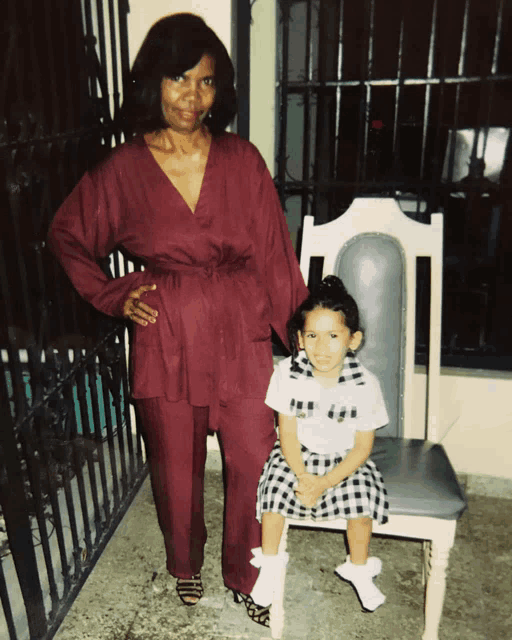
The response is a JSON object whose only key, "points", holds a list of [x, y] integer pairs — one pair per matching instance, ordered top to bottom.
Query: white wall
{"points": [[144, 13], [263, 79], [476, 419]]}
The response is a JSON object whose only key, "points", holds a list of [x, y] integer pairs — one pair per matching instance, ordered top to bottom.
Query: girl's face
{"points": [[187, 99], [326, 340]]}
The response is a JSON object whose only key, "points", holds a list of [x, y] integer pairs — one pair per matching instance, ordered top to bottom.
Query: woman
{"points": [[199, 207]]}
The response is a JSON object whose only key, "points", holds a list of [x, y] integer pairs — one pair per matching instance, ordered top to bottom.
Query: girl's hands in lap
{"points": [[138, 311], [310, 488]]}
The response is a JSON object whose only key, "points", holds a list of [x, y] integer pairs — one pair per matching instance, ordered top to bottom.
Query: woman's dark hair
{"points": [[172, 46], [329, 294]]}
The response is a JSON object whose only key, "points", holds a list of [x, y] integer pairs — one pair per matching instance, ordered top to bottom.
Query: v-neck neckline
{"points": [[171, 183]]}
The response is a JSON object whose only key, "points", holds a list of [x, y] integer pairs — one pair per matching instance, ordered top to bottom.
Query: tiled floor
{"points": [[129, 595]]}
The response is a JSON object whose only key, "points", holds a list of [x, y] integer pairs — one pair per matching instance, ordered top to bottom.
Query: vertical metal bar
{"points": [[124, 9], [497, 38], [242, 40], [102, 45], [90, 48], [114, 63], [99, 66], [494, 67], [460, 73], [339, 77], [428, 87], [398, 89], [54, 90], [283, 94], [367, 95], [69, 115], [306, 136], [325, 170], [21, 269], [13, 366], [91, 373], [123, 377], [109, 386], [82, 400], [90, 402], [119, 402], [110, 440], [74, 441], [39, 466], [70, 505], [17, 522], [6, 605]]}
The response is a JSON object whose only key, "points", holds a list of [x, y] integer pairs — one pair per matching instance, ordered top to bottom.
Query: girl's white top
{"points": [[327, 419]]}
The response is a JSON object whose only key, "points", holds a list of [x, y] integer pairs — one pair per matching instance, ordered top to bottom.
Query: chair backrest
{"points": [[373, 247]]}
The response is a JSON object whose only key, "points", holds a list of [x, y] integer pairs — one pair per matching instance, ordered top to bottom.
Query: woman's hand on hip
{"points": [[138, 311]]}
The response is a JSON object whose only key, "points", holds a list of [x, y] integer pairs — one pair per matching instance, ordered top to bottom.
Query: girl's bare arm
{"points": [[290, 445], [353, 460]]}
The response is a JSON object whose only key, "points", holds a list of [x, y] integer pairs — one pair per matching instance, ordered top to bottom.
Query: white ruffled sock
{"points": [[270, 570], [361, 577]]}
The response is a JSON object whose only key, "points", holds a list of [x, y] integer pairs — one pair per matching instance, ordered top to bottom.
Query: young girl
{"points": [[329, 406]]}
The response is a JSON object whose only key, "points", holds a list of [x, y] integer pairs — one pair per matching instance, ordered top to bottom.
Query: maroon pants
{"points": [[176, 437]]}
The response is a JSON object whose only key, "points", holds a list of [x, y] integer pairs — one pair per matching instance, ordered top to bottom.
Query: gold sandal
{"points": [[190, 588]]}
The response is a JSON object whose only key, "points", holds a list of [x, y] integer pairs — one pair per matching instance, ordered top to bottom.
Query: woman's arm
{"points": [[84, 231], [277, 259]]}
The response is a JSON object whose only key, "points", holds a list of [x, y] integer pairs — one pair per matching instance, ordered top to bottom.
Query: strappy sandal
{"points": [[190, 588], [256, 612]]}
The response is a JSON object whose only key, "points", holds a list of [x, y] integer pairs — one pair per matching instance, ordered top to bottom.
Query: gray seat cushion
{"points": [[419, 478]]}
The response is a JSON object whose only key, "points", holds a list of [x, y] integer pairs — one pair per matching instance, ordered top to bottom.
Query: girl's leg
{"points": [[247, 435], [176, 438], [271, 531], [359, 534], [270, 563], [359, 569]]}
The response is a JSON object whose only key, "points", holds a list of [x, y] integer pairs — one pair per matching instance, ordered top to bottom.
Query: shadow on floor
{"points": [[129, 595]]}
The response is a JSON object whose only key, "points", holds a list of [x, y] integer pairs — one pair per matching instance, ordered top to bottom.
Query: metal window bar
{"points": [[406, 88], [70, 454]]}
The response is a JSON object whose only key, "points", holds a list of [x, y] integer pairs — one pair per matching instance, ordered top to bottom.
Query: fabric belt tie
{"points": [[225, 319]]}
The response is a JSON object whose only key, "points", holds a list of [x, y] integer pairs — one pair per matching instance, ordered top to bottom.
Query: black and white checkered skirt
{"points": [[361, 494]]}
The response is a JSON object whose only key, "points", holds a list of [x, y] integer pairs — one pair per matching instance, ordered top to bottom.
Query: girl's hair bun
{"points": [[332, 286]]}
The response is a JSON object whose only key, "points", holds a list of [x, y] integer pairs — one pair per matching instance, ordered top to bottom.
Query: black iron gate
{"points": [[409, 100], [71, 458]]}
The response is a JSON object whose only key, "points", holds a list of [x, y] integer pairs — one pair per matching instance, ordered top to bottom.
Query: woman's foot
{"points": [[361, 577], [190, 590], [256, 612]]}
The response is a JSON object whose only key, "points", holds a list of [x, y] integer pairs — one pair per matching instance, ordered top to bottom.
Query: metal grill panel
{"points": [[391, 98], [71, 457]]}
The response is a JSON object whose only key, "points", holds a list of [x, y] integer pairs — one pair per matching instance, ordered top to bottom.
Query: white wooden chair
{"points": [[373, 247]]}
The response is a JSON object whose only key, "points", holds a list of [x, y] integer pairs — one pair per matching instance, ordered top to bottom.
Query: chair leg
{"points": [[425, 569], [436, 585], [277, 610]]}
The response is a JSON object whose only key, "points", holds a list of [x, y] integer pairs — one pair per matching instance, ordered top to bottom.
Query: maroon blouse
{"points": [[224, 274]]}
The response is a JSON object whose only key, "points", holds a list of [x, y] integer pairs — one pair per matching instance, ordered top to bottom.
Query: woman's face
{"points": [[186, 99]]}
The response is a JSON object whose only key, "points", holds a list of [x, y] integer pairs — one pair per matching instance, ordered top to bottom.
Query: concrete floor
{"points": [[130, 596]]}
